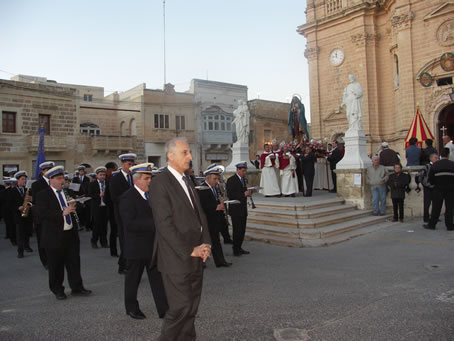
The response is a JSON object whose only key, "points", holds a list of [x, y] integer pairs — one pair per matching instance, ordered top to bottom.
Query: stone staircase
{"points": [[309, 223]]}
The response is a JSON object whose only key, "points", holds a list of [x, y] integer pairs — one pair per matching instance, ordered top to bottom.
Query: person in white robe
{"points": [[289, 180], [269, 184]]}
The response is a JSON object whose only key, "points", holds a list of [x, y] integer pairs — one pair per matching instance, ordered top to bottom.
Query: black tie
{"points": [[130, 180], [21, 192], [191, 194]]}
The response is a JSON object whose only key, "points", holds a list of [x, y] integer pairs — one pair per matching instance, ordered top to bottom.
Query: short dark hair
{"points": [[413, 141], [429, 142], [444, 152], [398, 164], [111, 165]]}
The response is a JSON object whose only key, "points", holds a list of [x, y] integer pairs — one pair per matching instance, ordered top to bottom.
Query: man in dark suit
{"points": [[334, 157], [308, 166], [111, 167], [120, 183], [38, 186], [97, 190], [237, 190], [213, 206], [83, 211], [8, 215], [24, 224], [139, 234], [59, 236], [182, 243]]}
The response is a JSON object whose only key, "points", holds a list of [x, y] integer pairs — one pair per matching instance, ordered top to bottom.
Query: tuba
{"points": [[27, 204]]}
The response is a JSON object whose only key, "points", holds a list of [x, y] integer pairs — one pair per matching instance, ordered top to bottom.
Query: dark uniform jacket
{"points": [[425, 153], [334, 158], [308, 164], [441, 174], [83, 185], [118, 185], [398, 185], [37, 187], [235, 191], [94, 194], [16, 201], [209, 204], [52, 220], [138, 225], [177, 226]]}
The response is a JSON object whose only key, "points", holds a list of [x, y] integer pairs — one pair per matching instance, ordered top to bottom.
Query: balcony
{"points": [[52, 143], [117, 144]]}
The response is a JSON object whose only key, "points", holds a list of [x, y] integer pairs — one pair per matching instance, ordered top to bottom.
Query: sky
{"points": [[119, 44]]}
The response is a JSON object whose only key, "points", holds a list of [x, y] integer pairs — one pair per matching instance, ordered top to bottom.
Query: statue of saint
{"points": [[352, 100], [241, 120], [297, 124]]}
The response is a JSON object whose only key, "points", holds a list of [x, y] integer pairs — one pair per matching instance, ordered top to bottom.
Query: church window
{"points": [[396, 70], [444, 81], [8, 122]]}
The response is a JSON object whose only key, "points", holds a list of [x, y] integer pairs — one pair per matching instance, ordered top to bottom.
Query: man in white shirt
{"points": [[448, 144], [59, 236]]}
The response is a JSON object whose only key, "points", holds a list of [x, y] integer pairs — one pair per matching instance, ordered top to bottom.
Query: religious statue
{"points": [[352, 100], [241, 121], [297, 123]]}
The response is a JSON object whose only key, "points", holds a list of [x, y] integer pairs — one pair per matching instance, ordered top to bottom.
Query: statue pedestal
{"points": [[240, 152], [355, 156], [352, 187]]}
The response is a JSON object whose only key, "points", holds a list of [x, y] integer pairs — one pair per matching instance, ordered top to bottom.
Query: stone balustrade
{"points": [[52, 143], [117, 144]]}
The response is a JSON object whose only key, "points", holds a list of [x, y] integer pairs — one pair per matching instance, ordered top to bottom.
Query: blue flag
{"points": [[40, 158]]}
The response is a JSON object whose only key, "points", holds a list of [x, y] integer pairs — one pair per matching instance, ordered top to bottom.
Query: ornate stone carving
{"points": [[403, 20], [445, 33], [365, 38], [311, 52]]}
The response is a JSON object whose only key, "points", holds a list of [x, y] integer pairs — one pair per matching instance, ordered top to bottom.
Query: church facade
{"points": [[401, 52]]}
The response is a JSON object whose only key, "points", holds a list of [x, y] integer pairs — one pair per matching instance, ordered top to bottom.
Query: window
{"points": [[88, 98], [8, 121], [44, 121], [161, 121], [179, 123], [217, 123], [89, 129]]}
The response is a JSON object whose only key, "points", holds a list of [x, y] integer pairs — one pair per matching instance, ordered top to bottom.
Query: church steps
{"points": [[287, 206], [301, 214]]}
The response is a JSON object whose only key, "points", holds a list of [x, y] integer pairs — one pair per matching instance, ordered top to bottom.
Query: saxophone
{"points": [[27, 204]]}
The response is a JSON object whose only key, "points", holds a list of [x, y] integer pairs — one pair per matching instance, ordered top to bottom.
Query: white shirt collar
{"points": [[142, 193]]}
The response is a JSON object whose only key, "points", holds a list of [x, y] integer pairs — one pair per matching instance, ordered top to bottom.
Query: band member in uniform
{"points": [[111, 168], [441, 175], [120, 183], [37, 186], [97, 190], [237, 190], [20, 199], [213, 207], [83, 211], [8, 215], [139, 234], [59, 236], [182, 243]]}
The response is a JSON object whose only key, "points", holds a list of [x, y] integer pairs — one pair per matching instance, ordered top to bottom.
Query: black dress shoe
{"points": [[427, 227], [228, 241], [94, 245], [28, 249], [244, 252], [114, 254], [20, 255], [224, 264], [122, 271], [81, 292], [61, 296], [138, 315], [161, 315]]}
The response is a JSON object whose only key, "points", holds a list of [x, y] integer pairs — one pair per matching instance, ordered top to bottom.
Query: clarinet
{"points": [[252, 200], [76, 217]]}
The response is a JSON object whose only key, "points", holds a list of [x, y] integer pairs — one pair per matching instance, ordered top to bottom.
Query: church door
{"points": [[445, 124]]}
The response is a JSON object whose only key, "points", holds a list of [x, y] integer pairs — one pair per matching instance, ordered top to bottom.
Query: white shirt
{"points": [[450, 146], [47, 180], [180, 180], [102, 190], [142, 193], [66, 226]]}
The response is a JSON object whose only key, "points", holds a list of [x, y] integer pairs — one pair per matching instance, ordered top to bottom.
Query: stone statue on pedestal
{"points": [[353, 101], [241, 120]]}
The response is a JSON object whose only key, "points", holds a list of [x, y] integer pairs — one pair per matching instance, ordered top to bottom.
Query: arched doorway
{"points": [[445, 124]]}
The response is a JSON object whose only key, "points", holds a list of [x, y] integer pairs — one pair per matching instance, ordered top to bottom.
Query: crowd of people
{"points": [[288, 169], [436, 178], [167, 223]]}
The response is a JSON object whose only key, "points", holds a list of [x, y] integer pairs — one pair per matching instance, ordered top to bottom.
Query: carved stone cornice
{"points": [[402, 21], [365, 38], [311, 52]]}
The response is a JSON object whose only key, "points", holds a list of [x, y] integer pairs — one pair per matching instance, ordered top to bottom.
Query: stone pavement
{"points": [[392, 284]]}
